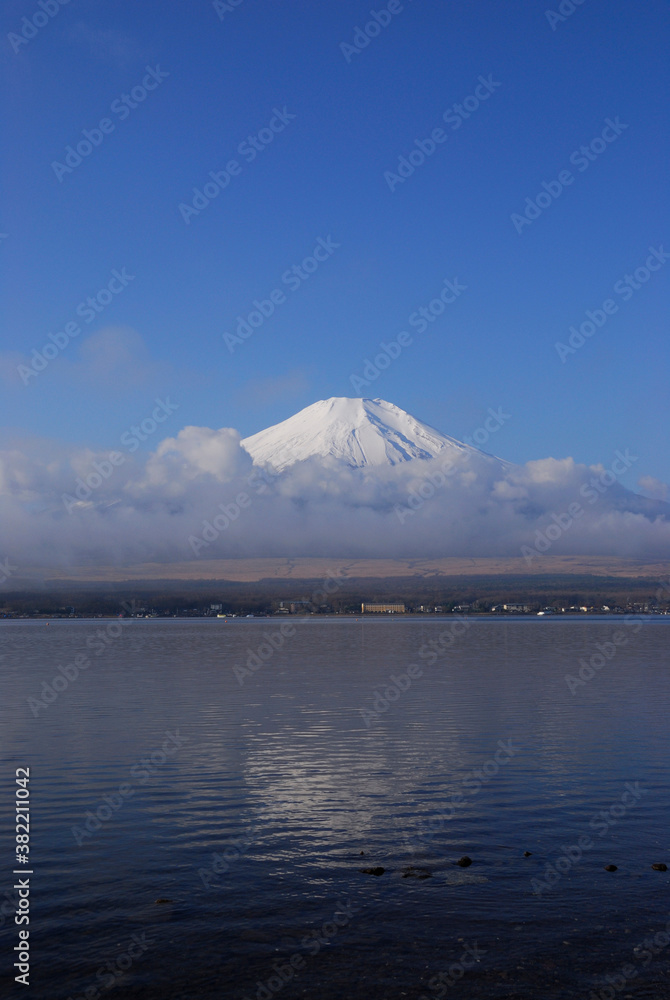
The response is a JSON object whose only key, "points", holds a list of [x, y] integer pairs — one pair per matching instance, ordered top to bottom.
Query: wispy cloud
{"points": [[109, 45], [115, 358], [259, 392], [654, 488]]}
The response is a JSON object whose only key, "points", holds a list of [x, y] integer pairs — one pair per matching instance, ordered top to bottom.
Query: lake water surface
{"points": [[248, 797]]}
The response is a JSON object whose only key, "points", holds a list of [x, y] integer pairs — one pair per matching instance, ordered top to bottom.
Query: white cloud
{"points": [[196, 452], [146, 508]]}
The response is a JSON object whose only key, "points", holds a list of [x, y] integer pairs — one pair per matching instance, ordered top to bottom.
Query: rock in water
{"points": [[464, 862], [660, 867], [610, 868], [372, 871], [413, 872]]}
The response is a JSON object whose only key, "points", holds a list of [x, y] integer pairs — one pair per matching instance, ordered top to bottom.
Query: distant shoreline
{"points": [[561, 586], [353, 617]]}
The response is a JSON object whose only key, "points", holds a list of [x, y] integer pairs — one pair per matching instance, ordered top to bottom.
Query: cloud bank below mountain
{"points": [[199, 495]]}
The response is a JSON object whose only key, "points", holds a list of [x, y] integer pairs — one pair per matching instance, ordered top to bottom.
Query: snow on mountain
{"points": [[357, 432]]}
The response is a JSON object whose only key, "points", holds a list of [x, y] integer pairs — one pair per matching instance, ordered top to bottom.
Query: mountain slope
{"points": [[357, 432]]}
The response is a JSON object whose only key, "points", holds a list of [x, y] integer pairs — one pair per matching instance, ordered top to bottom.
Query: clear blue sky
{"points": [[355, 114]]}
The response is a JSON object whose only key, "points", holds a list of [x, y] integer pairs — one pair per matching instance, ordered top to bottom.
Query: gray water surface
{"points": [[245, 776]]}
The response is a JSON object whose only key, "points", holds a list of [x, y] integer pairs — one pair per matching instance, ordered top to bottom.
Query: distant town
{"points": [[145, 609]]}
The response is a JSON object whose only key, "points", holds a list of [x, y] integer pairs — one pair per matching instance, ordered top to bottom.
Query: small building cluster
{"points": [[388, 609]]}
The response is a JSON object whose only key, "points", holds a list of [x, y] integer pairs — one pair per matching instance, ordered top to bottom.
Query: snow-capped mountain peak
{"points": [[357, 432]]}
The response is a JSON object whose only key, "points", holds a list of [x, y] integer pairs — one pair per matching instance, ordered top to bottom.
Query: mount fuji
{"points": [[358, 433]]}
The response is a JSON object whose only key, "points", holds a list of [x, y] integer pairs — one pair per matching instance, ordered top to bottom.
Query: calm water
{"points": [[246, 802]]}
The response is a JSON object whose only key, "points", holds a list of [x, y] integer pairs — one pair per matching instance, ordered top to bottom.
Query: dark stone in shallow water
{"points": [[527, 854], [464, 862], [660, 867], [610, 868], [372, 871], [413, 872], [161, 901]]}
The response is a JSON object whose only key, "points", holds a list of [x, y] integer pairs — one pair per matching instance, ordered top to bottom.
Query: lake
{"points": [[242, 772]]}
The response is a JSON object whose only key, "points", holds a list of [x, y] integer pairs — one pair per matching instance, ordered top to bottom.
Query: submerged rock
{"points": [[527, 854], [464, 862], [660, 867], [610, 868], [373, 871], [414, 872], [162, 902]]}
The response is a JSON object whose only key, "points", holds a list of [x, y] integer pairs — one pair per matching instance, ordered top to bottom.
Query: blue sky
{"points": [[223, 76]]}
